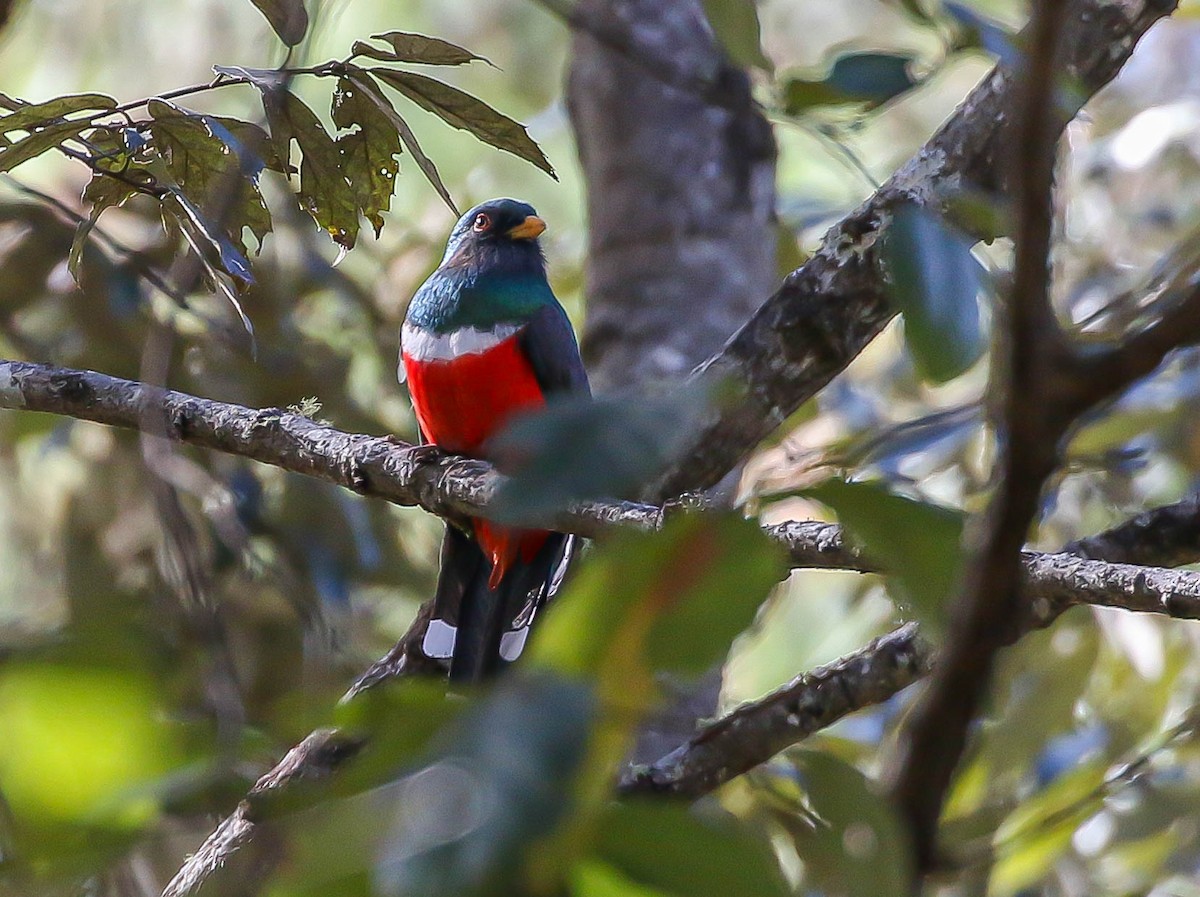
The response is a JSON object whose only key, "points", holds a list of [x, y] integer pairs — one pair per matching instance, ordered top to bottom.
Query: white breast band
{"points": [[426, 345]]}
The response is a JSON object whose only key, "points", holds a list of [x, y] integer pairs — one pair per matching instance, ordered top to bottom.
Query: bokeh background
{"points": [[118, 689]]}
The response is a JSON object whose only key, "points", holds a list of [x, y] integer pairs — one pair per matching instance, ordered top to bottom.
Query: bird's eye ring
{"points": [[482, 222]]}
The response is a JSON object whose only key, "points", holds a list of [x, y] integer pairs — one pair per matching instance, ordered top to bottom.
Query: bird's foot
{"points": [[425, 454]]}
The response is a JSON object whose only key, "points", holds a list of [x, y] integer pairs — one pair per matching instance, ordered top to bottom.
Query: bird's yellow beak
{"points": [[528, 229]]}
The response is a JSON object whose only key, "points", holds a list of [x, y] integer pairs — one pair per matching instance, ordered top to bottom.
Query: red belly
{"points": [[460, 404]]}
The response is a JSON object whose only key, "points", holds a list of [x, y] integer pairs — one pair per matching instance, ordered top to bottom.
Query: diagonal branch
{"points": [[828, 310], [1168, 536], [755, 732]]}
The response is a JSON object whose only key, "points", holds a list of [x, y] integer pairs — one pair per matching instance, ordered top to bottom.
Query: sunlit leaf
{"points": [[289, 18], [735, 23], [408, 47], [869, 79], [377, 96], [463, 111], [27, 116], [39, 142], [369, 153], [324, 191], [935, 281], [916, 543], [698, 583], [81, 744], [1039, 831], [856, 845], [596, 878]]}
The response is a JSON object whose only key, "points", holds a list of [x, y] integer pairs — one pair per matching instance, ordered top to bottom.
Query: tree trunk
{"points": [[680, 192], [681, 218]]}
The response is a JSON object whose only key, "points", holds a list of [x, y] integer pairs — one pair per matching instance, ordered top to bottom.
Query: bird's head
{"points": [[497, 233]]}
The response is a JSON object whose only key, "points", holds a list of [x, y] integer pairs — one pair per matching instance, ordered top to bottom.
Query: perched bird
{"points": [[484, 339]]}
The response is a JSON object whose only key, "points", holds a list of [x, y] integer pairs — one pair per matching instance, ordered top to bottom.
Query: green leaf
{"points": [[289, 18], [735, 22], [408, 47], [867, 79], [376, 96], [463, 111], [28, 116], [39, 142], [369, 153], [210, 173], [324, 191], [103, 192], [935, 281], [577, 449], [917, 544], [695, 585], [82, 743], [520, 749], [1039, 830], [856, 846], [666, 849], [595, 878]]}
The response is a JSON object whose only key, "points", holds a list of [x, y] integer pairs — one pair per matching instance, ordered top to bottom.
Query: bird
{"points": [[484, 340]]}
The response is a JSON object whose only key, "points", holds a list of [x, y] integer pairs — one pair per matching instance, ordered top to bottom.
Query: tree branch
{"points": [[828, 310], [1026, 391], [413, 475], [448, 486], [1168, 536], [755, 732]]}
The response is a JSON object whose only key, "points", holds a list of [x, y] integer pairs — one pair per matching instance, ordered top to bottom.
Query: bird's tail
{"points": [[479, 629]]}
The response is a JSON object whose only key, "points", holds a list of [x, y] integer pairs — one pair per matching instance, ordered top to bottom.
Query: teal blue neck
{"points": [[457, 297]]}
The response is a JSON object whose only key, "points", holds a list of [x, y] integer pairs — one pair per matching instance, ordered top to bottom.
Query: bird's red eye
{"points": [[482, 222]]}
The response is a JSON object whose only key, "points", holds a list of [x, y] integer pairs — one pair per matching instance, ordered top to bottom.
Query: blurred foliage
{"points": [[168, 627]]}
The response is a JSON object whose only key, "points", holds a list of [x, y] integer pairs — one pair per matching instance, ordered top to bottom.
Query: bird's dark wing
{"points": [[549, 343]]}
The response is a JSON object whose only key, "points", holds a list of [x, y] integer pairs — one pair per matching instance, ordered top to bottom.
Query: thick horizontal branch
{"points": [[829, 309], [449, 486], [454, 487]]}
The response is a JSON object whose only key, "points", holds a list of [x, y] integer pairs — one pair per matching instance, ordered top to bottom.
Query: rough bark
{"points": [[680, 193], [681, 213], [825, 312], [407, 475], [754, 732]]}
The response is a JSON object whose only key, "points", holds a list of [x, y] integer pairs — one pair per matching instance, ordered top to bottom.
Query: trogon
{"points": [[485, 340]]}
